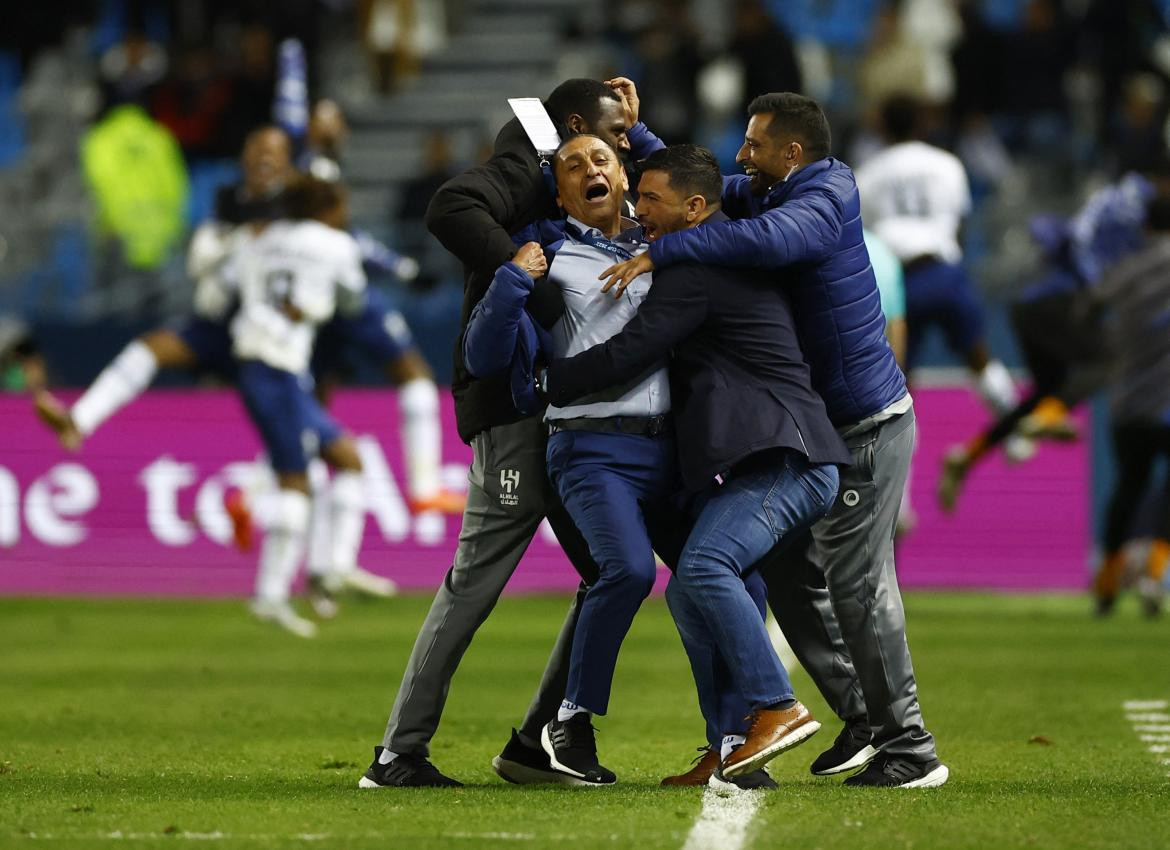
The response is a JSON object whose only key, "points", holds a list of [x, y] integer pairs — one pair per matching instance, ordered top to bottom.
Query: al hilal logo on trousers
{"points": [[509, 484]]}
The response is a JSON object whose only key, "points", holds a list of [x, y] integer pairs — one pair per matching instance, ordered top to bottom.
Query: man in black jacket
{"points": [[473, 215], [754, 442]]}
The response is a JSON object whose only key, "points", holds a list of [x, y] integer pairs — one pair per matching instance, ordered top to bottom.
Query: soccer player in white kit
{"points": [[914, 196], [291, 276]]}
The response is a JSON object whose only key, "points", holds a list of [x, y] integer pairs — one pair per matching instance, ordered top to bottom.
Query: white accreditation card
{"points": [[536, 123]]}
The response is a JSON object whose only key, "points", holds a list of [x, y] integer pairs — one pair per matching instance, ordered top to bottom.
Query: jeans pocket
{"points": [[818, 481]]}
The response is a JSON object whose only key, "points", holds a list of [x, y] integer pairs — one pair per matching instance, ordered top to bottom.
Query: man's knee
{"points": [[699, 565], [634, 576]]}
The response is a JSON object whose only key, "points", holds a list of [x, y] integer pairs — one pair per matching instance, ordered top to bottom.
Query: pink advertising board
{"points": [[139, 511]]}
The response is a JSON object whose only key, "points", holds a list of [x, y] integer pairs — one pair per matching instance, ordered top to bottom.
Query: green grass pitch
{"points": [[168, 723]]}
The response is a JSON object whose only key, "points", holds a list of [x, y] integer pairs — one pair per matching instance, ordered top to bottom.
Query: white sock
{"points": [[118, 384], [996, 387], [422, 436], [347, 502], [284, 543], [320, 547], [569, 710], [730, 742], [385, 757]]}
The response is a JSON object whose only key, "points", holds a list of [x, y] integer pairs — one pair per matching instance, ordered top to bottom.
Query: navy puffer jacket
{"points": [[808, 229]]}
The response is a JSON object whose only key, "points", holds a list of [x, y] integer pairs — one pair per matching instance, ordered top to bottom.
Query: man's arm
{"points": [[642, 141], [737, 200], [472, 213], [804, 229], [676, 306], [489, 342]]}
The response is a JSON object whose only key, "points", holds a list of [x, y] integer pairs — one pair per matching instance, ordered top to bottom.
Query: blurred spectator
{"points": [[397, 34], [1119, 38], [766, 51], [668, 52], [976, 59], [1035, 60], [893, 64], [131, 68], [253, 86], [193, 102], [1139, 131], [438, 168], [136, 174], [413, 239]]}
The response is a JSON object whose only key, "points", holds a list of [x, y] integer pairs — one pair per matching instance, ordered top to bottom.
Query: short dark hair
{"points": [[578, 97], [799, 115], [901, 117], [691, 169], [310, 197]]}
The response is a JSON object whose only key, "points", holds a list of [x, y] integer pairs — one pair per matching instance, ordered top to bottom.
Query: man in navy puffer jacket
{"points": [[797, 210]]}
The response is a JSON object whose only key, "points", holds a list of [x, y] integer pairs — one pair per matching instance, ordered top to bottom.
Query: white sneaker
{"points": [[366, 582], [1152, 592], [321, 598], [281, 613]]}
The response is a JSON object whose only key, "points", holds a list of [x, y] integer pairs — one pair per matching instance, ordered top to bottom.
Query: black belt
{"points": [[648, 426]]}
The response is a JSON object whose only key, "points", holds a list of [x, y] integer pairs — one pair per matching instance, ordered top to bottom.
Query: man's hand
{"points": [[628, 92], [530, 258], [623, 274]]}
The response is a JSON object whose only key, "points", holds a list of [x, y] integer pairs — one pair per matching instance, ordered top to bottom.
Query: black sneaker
{"points": [[572, 750], [850, 751], [521, 764], [405, 771], [889, 771], [756, 780]]}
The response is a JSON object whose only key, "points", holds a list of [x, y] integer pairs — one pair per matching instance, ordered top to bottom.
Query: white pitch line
{"points": [[1145, 705], [1146, 717], [724, 820]]}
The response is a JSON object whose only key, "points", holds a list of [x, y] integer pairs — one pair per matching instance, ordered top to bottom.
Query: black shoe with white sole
{"points": [[572, 750], [851, 751], [521, 764], [405, 771], [890, 771], [756, 780]]}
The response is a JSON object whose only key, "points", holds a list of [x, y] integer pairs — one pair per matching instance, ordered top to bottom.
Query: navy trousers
{"points": [[618, 488]]}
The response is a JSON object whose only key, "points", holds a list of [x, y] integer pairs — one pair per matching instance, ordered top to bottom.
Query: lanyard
{"points": [[598, 242]]}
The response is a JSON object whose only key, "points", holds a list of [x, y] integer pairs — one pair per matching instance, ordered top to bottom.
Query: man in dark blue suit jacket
{"points": [[797, 212]]}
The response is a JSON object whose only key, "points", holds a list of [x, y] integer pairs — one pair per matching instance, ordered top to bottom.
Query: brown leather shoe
{"points": [[770, 732], [700, 772]]}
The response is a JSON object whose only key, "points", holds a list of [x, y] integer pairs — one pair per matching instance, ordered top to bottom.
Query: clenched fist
{"points": [[530, 258]]}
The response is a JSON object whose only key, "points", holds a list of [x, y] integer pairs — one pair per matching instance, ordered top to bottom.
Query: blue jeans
{"points": [[612, 485], [739, 523], [724, 710]]}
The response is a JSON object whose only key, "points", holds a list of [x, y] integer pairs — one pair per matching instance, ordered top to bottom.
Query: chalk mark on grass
{"points": [[1151, 723], [724, 820]]}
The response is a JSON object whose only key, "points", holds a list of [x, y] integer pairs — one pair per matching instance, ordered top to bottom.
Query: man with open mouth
{"points": [[611, 457]]}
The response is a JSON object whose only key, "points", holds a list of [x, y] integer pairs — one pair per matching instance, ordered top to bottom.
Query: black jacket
{"points": [[473, 215], [738, 381]]}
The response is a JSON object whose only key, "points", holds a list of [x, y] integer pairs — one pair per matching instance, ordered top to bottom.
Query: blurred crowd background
{"points": [[119, 118]]}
